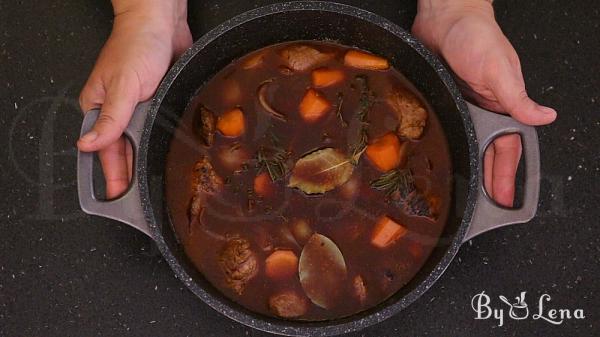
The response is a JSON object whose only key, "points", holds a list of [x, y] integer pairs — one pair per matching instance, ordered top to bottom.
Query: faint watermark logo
{"points": [[39, 152], [519, 310]]}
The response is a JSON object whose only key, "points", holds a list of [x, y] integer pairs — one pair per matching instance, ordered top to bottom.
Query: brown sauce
{"points": [[347, 214]]}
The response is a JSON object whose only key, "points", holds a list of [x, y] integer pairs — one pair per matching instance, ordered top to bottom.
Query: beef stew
{"points": [[308, 180]]}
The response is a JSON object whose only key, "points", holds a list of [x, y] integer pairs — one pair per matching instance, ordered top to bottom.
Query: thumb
{"points": [[509, 89], [121, 97]]}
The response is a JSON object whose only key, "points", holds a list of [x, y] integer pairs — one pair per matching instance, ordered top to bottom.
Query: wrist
{"points": [[426, 6], [163, 16], [435, 18]]}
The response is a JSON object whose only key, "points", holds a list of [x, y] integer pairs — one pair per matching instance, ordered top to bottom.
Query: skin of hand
{"points": [[465, 34], [147, 36]]}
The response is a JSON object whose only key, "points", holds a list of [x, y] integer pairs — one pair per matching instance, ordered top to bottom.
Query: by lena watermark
{"points": [[519, 310]]}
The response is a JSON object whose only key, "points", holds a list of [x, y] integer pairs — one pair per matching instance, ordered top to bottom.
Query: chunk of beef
{"points": [[301, 57], [411, 112], [204, 125], [204, 178], [204, 181], [406, 196], [419, 205], [239, 264], [360, 290], [288, 304]]}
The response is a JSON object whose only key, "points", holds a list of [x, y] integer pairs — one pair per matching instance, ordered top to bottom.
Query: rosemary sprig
{"points": [[367, 98], [338, 111], [359, 147], [272, 158], [399, 180], [399, 186]]}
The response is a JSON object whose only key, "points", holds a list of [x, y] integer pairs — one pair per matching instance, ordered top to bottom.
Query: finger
{"points": [[183, 40], [509, 88], [92, 95], [122, 95], [481, 101], [507, 151], [129, 157], [114, 166], [488, 169]]}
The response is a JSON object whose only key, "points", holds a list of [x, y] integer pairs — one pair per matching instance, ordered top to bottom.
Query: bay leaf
{"points": [[321, 171], [322, 271]]}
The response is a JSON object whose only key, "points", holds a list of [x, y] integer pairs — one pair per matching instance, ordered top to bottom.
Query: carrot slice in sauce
{"points": [[362, 60], [324, 77], [313, 106], [232, 123], [385, 152], [262, 185], [386, 232], [281, 264]]}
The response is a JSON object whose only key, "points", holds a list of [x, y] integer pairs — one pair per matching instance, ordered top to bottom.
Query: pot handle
{"points": [[127, 208], [488, 214]]}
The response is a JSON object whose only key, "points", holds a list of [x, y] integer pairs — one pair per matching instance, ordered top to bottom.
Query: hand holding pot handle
{"points": [[146, 37], [488, 70], [128, 207], [488, 214]]}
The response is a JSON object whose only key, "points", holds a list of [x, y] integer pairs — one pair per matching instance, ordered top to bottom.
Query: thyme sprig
{"points": [[367, 99], [338, 111], [272, 158], [399, 180]]}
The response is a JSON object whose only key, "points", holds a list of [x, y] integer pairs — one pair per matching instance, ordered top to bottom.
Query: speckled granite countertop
{"points": [[63, 273]]}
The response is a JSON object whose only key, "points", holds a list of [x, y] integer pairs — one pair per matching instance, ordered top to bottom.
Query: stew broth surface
{"points": [[347, 215]]}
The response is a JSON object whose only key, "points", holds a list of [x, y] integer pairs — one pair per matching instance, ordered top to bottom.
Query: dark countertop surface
{"points": [[64, 273]]}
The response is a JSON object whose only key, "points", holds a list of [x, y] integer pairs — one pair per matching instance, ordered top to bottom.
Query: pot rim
{"points": [[297, 328]]}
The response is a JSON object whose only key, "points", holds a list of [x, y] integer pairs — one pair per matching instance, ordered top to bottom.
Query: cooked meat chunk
{"points": [[301, 57], [411, 112], [204, 125], [204, 178], [204, 181], [416, 204], [196, 207], [239, 264], [360, 291], [288, 304]]}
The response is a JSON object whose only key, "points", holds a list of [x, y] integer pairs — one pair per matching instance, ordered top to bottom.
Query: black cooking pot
{"points": [[468, 129]]}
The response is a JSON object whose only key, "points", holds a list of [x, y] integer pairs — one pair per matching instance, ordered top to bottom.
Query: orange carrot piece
{"points": [[362, 60], [324, 77], [313, 106], [232, 123], [384, 152], [262, 185], [386, 232], [281, 264]]}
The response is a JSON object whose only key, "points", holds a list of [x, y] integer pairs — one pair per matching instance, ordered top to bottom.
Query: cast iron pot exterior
{"points": [[154, 123]]}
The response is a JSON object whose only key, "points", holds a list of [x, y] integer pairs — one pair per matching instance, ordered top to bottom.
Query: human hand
{"points": [[466, 35], [145, 38]]}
